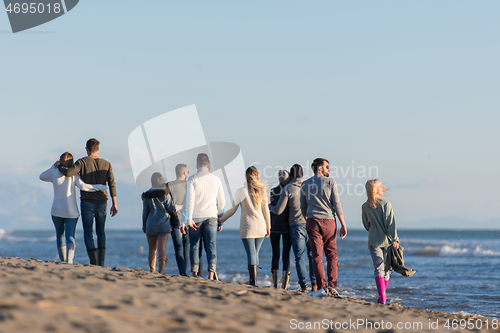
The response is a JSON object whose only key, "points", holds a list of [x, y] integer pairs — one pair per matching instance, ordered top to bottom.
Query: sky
{"points": [[408, 90]]}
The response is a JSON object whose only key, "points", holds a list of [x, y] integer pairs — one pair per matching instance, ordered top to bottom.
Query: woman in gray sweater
{"points": [[378, 219]]}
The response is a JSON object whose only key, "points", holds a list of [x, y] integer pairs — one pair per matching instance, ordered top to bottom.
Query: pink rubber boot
{"points": [[381, 289]]}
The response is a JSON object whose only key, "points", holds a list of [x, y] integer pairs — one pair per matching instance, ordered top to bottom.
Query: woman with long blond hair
{"points": [[378, 219], [255, 222]]}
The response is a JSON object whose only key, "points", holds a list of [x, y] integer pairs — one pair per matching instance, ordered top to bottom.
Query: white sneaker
{"points": [[317, 293]]}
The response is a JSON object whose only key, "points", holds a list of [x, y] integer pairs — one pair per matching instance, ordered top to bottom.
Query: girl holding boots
{"points": [[378, 219], [255, 222]]}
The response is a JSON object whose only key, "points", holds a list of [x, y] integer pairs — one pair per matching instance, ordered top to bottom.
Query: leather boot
{"points": [[62, 253], [71, 253], [92, 256], [100, 256], [152, 262], [162, 262], [252, 271], [276, 277], [285, 279], [379, 280]]}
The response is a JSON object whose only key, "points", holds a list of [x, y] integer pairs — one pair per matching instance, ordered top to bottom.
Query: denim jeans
{"points": [[91, 211], [207, 228], [65, 231], [275, 244], [181, 247], [252, 247], [302, 250]]}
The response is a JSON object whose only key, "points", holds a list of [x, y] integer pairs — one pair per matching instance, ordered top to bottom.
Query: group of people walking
{"points": [[301, 214]]}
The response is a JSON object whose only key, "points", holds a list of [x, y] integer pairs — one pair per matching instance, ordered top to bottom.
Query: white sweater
{"points": [[204, 196], [64, 204], [253, 223]]}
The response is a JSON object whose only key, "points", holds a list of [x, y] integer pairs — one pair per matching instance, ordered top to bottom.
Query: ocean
{"points": [[457, 271]]}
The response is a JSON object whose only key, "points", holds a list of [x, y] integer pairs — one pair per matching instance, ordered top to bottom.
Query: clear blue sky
{"points": [[408, 87]]}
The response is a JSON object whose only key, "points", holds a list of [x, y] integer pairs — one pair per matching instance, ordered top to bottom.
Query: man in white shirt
{"points": [[204, 203]]}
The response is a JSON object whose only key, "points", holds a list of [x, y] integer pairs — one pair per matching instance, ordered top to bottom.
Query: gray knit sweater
{"points": [[378, 222]]}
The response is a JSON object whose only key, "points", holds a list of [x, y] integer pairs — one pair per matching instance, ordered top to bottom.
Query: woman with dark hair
{"points": [[64, 209], [156, 216], [378, 219], [255, 222]]}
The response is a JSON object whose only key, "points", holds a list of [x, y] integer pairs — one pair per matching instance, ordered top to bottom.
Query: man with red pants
{"points": [[319, 203]]}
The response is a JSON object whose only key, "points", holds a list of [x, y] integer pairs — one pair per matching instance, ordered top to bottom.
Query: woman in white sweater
{"points": [[64, 209], [255, 222]]}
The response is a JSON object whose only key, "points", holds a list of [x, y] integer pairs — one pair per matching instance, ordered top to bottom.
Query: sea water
{"points": [[457, 271]]}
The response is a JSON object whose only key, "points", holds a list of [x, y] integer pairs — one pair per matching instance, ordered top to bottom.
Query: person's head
{"points": [[92, 146], [66, 159], [202, 160], [320, 166], [181, 171], [296, 171], [284, 177], [157, 180], [255, 187], [374, 189]]}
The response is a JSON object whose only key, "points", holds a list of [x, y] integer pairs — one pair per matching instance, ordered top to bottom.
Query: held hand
{"points": [[56, 164], [142, 196], [178, 207], [114, 210], [192, 225], [220, 227], [143, 230], [183, 230], [343, 232], [268, 233], [396, 245]]}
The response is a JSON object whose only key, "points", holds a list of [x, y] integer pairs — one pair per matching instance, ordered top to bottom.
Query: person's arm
{"points": [[73, 170], [46, 176], [88, 187], [112, 191], [156, 193], [221, 200], [335, 200], [303, 201], [189, 202], [281, 205], [170, 206], [233, 209], [145, 213], [267, 217], [364, 218], [390, 221], [343, 227]]}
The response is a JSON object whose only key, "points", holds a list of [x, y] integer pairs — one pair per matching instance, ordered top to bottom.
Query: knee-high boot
{"points": [[101, 252], [62, 253], [92, 256], [152, 262], [162, 262], [252, 271], [276, 277], [285, 279], [379, 280]]}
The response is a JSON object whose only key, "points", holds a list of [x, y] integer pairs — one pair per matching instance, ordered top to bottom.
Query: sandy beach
{"points": [[45, 296]]}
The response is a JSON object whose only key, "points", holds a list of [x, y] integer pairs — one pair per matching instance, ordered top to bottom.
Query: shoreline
{"points": [[48, 296]]}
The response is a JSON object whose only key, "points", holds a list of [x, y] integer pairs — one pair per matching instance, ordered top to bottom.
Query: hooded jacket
{"points": [[290, 199]]}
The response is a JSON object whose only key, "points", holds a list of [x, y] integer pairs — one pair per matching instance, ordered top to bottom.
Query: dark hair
{"points": [[92, 145], [66, 159], [202, 160], [317, 163], [179, 168], [296, 171], [157, 180]]}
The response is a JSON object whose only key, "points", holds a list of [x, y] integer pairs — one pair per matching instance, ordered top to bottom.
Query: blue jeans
{"points": [[91, 211], [65, 227], [207, 228], [275, 244], [252, 246], [181, 247], [302, 250]]}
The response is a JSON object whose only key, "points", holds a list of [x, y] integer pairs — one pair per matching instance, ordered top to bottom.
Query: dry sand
{"points": [[45, 296]]}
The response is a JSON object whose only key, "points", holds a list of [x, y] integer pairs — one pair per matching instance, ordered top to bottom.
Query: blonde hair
{"points": [[255, 187], [371, 187]]}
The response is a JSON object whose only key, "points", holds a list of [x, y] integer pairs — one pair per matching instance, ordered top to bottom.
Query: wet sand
{"points": [[46, 296]]}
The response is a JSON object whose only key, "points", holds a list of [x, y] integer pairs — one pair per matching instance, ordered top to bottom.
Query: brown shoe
{"points": [[314, 287], [303, 288]]}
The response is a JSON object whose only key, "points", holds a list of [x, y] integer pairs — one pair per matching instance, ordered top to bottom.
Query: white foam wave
{"points": [[449, 250], [478, 251]]}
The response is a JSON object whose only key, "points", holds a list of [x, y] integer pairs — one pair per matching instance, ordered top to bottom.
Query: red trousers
{"points": [[323, 237]]}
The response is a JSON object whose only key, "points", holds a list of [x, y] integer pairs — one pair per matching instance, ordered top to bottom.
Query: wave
{"points": [[7, 237], [448, 250]]}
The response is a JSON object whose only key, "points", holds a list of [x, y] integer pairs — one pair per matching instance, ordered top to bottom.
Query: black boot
{"points": [[92, 256], [100, 256], [252, 271]]}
